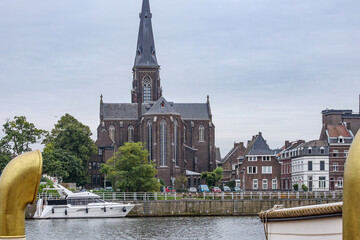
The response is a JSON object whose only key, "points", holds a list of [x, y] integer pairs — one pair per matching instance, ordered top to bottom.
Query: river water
{"points": [[242, 228]]}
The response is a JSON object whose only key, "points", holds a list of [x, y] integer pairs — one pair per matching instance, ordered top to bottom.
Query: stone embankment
{"points": [[196, 207]]}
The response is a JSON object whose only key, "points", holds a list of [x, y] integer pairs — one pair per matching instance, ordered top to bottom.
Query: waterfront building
{"points": [[335, 117], [178, 136], [339, 139], [285, 156], [229, 162], [310, 165], [258, 168]]}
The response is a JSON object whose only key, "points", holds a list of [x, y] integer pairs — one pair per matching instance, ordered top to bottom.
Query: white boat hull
{"points": [[93, 210], [329, 228]]}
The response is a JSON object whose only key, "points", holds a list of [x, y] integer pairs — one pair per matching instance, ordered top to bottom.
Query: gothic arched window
{"points": [[146, 89], [112, 132], [131, 133], [201, 133], [149, 142], [175, 142], [163, 143]]}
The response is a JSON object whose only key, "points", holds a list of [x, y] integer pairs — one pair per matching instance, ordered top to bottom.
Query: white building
{"points": [[310, 166]]}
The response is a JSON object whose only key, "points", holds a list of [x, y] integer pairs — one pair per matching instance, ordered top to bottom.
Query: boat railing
{"points": [[246, 195]]}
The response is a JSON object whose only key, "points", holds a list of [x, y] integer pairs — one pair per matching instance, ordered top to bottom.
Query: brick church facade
{"points": [[178, 136]]}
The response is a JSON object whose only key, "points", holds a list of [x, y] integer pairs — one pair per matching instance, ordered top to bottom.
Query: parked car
{"points": [[109, 188], [204, 188], [169, 189], [226, 189], [237, 189], [192, 190], [216, 190]]}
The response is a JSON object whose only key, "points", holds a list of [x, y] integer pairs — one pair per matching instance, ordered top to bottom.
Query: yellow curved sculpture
{"points": [[19, 185], [351, 198]]}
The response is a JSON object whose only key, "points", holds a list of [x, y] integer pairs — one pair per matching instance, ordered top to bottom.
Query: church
{"points": [[180, 137]]}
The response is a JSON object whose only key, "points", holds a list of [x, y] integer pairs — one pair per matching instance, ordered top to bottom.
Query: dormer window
{"points": [[162, 104], [341, 139], [309, 150], [322, 150]]}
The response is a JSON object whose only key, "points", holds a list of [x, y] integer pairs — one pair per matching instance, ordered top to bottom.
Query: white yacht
{"points": [[79, 205]]}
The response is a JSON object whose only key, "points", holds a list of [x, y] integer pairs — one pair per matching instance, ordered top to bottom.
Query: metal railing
{"points": [[258, 195]]}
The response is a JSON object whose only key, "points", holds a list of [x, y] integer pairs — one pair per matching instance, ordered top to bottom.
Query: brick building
{"points": [[178, 136], [339, 139], [229, 162], [258, 168]]}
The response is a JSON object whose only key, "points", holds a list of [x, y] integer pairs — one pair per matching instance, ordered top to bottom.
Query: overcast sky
{"points": [[268, 66]]}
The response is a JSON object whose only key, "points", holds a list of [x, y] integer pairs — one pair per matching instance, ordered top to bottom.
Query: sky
{"points": [[268, 66]]}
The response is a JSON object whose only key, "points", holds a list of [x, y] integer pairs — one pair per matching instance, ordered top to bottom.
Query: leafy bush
{"points": [[296, 186], [304, 188]]}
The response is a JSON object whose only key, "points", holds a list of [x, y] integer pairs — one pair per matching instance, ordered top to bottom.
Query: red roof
{"points": [[337, 131]]}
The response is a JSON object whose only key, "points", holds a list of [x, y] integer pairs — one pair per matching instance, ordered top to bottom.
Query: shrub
{"points": [[296, 186], [304, 188]]}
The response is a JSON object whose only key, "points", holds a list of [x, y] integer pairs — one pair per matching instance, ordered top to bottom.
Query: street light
{"points": [[243, 171]]}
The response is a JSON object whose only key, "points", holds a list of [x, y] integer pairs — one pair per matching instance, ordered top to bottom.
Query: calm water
{"points": [[246, 228]]}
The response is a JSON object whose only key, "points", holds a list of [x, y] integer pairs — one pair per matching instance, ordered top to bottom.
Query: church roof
{"points": [[145, 51], [161, 106], [120, 111], [192, 111], [258, 146]]}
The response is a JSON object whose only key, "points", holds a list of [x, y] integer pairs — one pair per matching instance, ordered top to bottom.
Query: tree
{"points": [[19, 134], [69, 143], [5, 158], [131, 171], [212, 178], [181, 181]]}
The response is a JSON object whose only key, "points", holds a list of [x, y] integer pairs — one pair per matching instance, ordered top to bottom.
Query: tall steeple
{"points": [[145, 51], [146, 79]]}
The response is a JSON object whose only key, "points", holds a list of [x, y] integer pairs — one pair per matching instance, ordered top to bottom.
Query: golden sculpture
{"points": [[19, 185], [351, 198]]}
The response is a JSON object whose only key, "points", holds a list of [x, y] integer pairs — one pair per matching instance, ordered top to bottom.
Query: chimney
{"points": [[287, 144]]}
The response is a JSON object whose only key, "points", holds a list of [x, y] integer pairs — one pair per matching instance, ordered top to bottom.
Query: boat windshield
{"points": [[83, 201]]}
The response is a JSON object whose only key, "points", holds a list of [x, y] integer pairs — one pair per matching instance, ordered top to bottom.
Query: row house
{"points": [[339, 138], [285, 156], [229, 162], [309, 165], [258, 168]]}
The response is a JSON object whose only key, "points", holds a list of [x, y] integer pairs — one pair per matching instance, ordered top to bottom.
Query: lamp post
{"points": [[243, 171]]}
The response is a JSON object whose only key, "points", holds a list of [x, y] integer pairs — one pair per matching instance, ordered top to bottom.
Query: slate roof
{"points": [[145, 51], [161, 106], [124, 111], [193, 111], [337, 131], [314, 143], [258, 146]]}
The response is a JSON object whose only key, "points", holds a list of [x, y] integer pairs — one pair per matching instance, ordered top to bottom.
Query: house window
{"points": [[146, 89], [149, 126], [112, 132], [131, 133], [201, 133], [184, 134], [341, 139], [163, 143], [176, 143], [309, 150], [322, 150], [100, 151], [346, 152], [335, 153], [266, 158], [252, 159], [322, 165], [310, 166], [335, 167], [266, 169], [252, 170], [322, 182], [340, 182], [255, 184], [264, 184], [274, 184]]}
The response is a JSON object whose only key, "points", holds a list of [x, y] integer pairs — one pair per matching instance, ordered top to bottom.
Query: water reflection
{"points": [[246, 228]]}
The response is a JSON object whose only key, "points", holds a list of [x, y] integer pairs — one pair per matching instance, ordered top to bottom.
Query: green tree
{"points": [[20, 134], [72, 139], [5, 158], [131, 171], [212, 178], [181, 181]]}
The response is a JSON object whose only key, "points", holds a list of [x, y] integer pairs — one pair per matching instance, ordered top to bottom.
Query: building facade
{"points": [[178, 136], [229, 162]]}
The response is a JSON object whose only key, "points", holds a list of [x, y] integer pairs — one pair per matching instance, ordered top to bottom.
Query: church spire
{"points": [[145, 51]]}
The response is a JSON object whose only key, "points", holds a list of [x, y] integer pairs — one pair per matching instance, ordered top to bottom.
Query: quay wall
{"points": [[196, 207]]}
